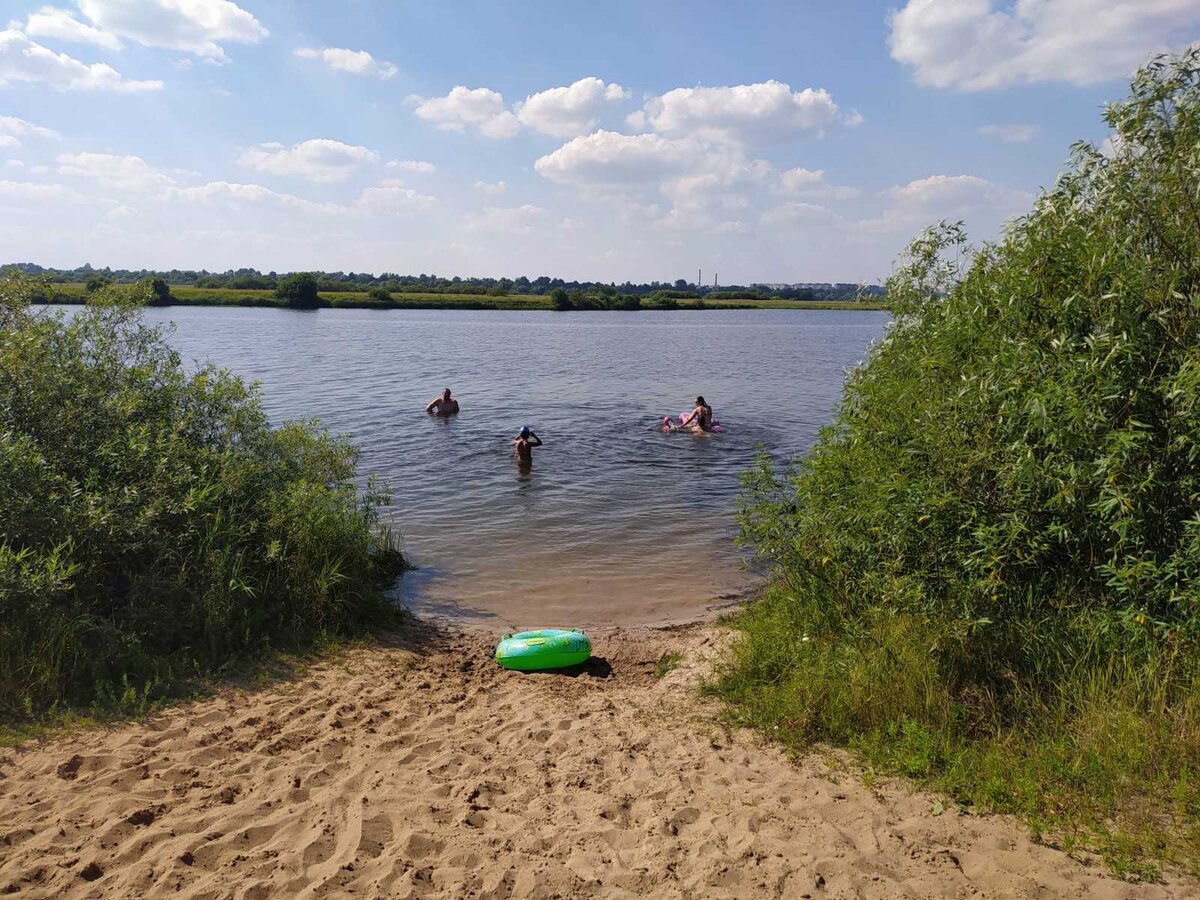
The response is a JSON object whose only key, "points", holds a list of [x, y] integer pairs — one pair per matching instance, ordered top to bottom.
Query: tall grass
{"points": [[152, 523], [986, 570]]}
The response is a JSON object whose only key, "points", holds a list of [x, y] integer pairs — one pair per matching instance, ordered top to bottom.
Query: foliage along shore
{"points": [[184, 295], [155, 528], [987, 571]]}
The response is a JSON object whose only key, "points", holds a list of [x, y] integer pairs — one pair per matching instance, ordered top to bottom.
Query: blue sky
{"points": [[768, 141]]}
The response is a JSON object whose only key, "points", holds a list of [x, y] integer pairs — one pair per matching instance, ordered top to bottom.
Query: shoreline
{"points": [[69, 294], [419, 768]]}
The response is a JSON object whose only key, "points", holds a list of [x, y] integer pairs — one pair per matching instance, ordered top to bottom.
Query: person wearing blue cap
{"points": [[523, 445]]}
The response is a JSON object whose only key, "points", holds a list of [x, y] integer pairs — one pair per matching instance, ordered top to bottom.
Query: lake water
{"points": [[616, 522]]}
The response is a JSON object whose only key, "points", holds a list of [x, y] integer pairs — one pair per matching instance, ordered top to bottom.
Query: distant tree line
{"points": [[581, 294]]}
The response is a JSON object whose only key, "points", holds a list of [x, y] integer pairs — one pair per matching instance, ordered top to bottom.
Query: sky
{"points": [[639, 140]]}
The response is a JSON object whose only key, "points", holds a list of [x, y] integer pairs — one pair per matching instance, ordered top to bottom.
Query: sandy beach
{"points": [[421, 769]]}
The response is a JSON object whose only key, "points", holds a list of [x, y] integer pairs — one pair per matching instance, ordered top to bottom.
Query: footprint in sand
{"points": [[689, 815], [376, 834], [419, 846], [320, 848]]}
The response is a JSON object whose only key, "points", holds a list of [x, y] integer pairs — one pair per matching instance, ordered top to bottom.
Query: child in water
{"points": [[523, 445]]}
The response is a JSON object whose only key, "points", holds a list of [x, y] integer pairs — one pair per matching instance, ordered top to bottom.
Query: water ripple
{"points": [[617, 522]]}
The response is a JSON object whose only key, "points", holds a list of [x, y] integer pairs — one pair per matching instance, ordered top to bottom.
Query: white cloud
{"points": [[61, 24], [189, 26], [975, 45], [24, 60], [356, 62], [463, 106], [571, 110], [743, 113], [500, 127], [19, 128], [1013, 133], [7, 140], [609, 158], [317, 160], [14, 163], [413, 165], [110, 170], [720, 181], [803, 182], [710, 186], [488, 187], [26, 190], [240, 194], [392, 198], [926, 200], [119, 212], [795, 214], [506, 220]]}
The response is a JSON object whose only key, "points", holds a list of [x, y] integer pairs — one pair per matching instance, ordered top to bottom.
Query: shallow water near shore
{"points": [[616, 523]]}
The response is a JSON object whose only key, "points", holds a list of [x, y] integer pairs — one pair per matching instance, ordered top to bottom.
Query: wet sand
{"points": [[421, 769]]}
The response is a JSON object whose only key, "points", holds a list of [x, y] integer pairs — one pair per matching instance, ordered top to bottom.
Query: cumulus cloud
{"points": [[61, 24], [198, 27], [974, 45], [24, 60], [356, 62], [481, 108], [571, 110], [743, 113], [16, 128], [1013, 133], [610, 158], [317, 160], [413, 165], [111, 170], [803, 182], [710, 186], [489, 187], [27, 190], [243, 194], [392, 198], [926, 200], [795, 213], [506, 220]]}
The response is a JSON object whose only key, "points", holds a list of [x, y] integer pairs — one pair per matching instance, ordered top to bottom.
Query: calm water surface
{"points": [[616, 522]]}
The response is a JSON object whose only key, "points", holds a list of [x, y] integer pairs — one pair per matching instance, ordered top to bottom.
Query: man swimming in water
{"points": [[444, 405], [701, 418]]}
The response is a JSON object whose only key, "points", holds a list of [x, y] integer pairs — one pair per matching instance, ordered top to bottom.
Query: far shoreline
{"points": [[69, 294]]}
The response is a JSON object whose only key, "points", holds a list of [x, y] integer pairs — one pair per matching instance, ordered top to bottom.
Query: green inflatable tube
{"points": [[546, 648]]}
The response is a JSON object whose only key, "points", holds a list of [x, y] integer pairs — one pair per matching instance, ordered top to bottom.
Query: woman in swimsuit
{"points": [[701, 417]]}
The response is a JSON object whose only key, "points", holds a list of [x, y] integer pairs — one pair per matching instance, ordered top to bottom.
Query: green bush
{"points": [[96, 283], [157, 290], [299, 291], [152, 523], [995, 547]]}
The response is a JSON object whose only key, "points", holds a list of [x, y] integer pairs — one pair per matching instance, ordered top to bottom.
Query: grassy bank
{"points": [[184, 295], [154, 527], [986, 570]]}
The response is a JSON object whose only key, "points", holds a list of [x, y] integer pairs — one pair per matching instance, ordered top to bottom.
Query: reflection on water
{"points": [[614, 521]]}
